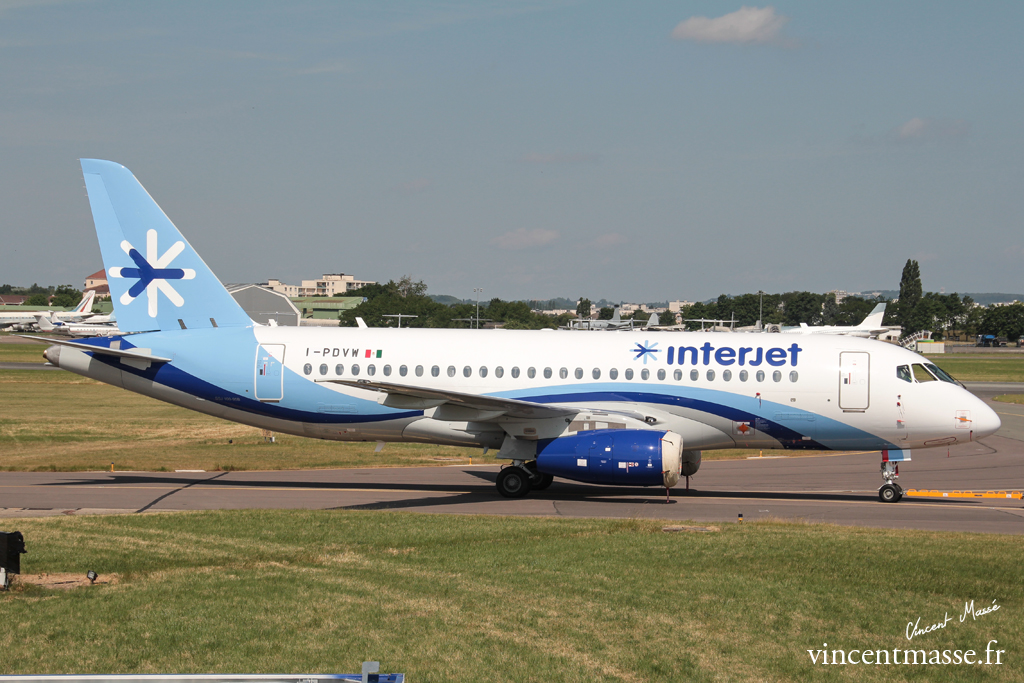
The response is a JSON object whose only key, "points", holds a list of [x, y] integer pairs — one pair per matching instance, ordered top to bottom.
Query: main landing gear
{"points": [[519, 478], [890, 492]]}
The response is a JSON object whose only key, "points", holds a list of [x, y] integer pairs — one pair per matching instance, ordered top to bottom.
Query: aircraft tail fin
{"points": [[157, 280], [85, 305], [615, 316], [874, 318], [653, 321], [45, 324]]}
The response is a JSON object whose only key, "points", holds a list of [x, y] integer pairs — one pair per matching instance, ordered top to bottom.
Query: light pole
{"points": [[478, 291], [760, 309]]}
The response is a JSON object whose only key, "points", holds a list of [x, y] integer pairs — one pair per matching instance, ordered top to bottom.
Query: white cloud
{"points": [[745, 25], [920, 129], [560, 158], [524, 239], [607, 241]]}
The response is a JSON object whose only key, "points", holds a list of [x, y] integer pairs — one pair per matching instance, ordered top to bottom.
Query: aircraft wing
{"points": [[403, 396]]}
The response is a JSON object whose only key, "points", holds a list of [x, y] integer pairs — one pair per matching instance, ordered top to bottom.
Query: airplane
{"points": [[24, 319], [615, 323], [871, 326], [88, 329], [614, 409]]}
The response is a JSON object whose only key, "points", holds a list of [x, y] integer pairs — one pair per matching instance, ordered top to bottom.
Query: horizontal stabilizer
{"points": [[138, 354]]}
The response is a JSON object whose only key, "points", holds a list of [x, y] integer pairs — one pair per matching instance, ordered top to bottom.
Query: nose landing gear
{"points": [[890, 492]]}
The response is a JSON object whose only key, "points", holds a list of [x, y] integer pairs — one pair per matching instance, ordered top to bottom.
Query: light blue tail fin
{"points": [[157, 281]]}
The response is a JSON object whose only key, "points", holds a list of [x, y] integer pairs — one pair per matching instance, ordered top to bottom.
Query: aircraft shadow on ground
{"points": [[560, 491]]}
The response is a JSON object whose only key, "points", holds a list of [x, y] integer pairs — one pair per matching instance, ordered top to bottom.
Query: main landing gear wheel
{"points": [[538, 481], [513, 482], [890, 493]]}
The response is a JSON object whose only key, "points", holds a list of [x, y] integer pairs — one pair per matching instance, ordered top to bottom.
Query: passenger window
{"points": [[307, 368], [323, 368], [339, 369], [355, 369], [371, 370], [387, 370], [403, 370], [419, 370], [451, 370], [483, 370], [435, 371], [467, 371], [499, 372], [515, 372], [531, 372], [547, 373], [563, 373], [579, 373], [596, 373], [613, 373], [629, 373], [921, 373], [645, 374], [661, 375], [677, 375], [694, 375], [711, 375], [727, 375], [744, 375], [760, 375], [777, 376], [793, 376]]}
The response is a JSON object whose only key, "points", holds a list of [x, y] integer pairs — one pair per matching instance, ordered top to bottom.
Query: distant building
{"points": [[98, 282], [330, 284], [840, 295], [13, 299], [678, 306], [324, 311]]}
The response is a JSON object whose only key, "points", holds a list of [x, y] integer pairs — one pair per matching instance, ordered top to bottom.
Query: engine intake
{"points": [[624, 457]]}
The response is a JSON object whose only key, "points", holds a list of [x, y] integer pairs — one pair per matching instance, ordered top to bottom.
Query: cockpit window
{"points": [[903, 373], [921, 373], [940, 373]]}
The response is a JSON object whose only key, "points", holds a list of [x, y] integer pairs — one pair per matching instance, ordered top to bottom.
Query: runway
{"points": [[839, 489]]}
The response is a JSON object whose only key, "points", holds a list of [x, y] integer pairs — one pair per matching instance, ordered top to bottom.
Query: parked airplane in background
{"points": [[28, 318], [615, 323], [871, 326], [88, 329], [613, 408]]}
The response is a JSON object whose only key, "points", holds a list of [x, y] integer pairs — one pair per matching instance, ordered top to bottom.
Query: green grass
{"points": [[28, 352], [982, 368], [1011, 398], [58, 421], [466, 598]]}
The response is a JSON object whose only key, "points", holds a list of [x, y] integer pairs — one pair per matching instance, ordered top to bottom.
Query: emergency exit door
{"points": [[270, 372], [854, 380]]}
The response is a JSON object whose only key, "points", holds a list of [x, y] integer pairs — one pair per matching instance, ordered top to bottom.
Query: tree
{"points": [[66, 296], [38, 300], [583, 308], [606, 313], [907, 314], [1004, 321]]}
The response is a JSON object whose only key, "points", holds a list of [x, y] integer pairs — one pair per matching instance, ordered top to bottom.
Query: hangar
{"points": [[264, 305]]}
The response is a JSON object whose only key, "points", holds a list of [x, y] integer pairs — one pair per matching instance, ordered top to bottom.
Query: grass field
{"points": [[28, 352], [982, 368], [1011, 398], [460, 598]]}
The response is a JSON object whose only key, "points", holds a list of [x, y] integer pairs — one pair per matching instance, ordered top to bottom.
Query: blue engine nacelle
{"points": [[624, 457]]}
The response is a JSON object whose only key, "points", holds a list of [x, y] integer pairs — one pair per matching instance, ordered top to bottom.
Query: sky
{"points": [[628, 151]]}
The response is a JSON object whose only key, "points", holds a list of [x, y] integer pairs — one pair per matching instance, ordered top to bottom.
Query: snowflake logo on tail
{"points": [[152, 273], [646, 349]]}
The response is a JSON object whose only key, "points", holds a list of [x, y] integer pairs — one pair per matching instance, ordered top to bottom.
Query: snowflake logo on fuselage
{"points": [[152, 273], [646, 349]]}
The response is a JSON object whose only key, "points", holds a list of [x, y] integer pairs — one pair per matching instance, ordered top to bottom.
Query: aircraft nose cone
{"points": [[985, 420]]}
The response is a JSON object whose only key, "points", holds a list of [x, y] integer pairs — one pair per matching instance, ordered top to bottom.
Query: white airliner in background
{"points": [[25, 318], [870, 327], [621, 408]]}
